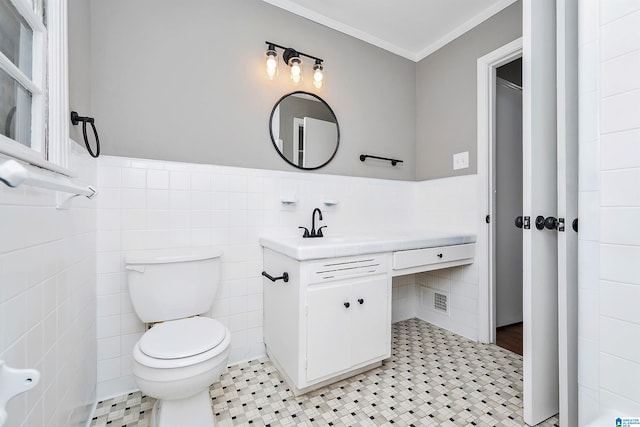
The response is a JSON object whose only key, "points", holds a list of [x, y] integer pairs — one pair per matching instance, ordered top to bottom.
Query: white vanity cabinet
{"points": [[332, 319], [346, 325]]}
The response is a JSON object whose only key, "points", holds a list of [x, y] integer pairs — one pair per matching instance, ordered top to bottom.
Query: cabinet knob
{"points": [[439, 255], [361, 301], [347, 305]]}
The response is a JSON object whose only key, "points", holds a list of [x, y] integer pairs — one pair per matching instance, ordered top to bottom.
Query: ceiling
{"points": [[409, 28]]}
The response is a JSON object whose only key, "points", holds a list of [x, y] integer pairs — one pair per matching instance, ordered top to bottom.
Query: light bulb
{"points": [[272, 63], [296, 70], [317, 75]]}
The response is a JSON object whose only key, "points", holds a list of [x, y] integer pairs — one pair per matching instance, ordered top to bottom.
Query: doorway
{"points": [[549, 51], [486, 85], [507, 194]]}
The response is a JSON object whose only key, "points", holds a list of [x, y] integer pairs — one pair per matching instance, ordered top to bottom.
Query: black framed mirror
{"points": [[304, 130]]}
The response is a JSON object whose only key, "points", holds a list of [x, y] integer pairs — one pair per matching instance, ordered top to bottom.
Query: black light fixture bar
{"points": [[296, 51]]}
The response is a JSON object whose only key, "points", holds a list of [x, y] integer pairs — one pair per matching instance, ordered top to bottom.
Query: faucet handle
{"points": [[306, 231], [319, 232]]}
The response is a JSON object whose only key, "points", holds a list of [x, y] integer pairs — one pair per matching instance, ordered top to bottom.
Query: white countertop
{"points": [[358, 244]]}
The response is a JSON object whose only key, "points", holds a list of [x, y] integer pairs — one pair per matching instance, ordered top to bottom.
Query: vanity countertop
{"points": [[358, 244]]}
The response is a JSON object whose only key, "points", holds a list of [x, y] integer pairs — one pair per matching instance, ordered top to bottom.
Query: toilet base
{"points": [[195, 411]]}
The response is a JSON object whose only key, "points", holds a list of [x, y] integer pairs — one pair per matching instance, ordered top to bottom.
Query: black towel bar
{"points": [[394, 162], [285, 276]]}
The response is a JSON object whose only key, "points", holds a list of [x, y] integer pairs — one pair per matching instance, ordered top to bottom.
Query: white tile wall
{"points": [[153, 204], [453, 204], [589, 211], [461, 286], [404, 298], [48, 300], [609, 324]]}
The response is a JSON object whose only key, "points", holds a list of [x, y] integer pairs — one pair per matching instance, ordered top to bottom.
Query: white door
{"points": [[567, 66], [320, 139], [540, 247], [369, 324], [328, 330]]}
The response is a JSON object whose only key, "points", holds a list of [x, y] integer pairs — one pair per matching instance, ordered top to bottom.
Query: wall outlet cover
{"points": [[461, 160]]}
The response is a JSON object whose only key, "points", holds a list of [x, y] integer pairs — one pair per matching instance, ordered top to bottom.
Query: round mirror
{"points": [[304, 130]]}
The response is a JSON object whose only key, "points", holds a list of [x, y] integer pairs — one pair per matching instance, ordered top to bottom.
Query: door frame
{"points": [[486, 87], [298, 122]]}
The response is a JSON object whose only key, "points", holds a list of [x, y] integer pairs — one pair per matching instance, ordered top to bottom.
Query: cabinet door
{"points": [[370, 322], [328, 331]]}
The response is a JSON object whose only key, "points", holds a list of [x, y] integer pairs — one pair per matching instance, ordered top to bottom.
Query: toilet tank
{"points": [[168, 284]]}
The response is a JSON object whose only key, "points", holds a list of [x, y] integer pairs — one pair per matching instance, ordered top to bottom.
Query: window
{"points": [[33, 119]]}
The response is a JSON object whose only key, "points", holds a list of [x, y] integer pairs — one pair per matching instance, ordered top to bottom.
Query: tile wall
{"points": [[152, 204], [451, 204], [588, 208], [619, 235], [48, 300]]}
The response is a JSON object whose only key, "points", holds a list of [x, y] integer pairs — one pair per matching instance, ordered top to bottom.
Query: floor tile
{"points": [[434, 378]]}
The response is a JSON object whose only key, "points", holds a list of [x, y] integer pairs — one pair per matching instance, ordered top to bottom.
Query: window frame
{"points": [[49, 88]]}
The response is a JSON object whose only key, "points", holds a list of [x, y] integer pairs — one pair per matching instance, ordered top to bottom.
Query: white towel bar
{"points": [[14, 174]]}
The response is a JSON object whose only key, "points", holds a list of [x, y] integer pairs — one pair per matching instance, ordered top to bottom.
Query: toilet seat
{"points": [[182, 338], [182, 342]]}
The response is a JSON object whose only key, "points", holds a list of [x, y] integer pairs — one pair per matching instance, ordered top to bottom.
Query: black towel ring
{"points": [[75, 119]]}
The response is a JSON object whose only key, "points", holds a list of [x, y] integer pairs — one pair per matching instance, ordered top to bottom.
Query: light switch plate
{"points": [[461, 160]]}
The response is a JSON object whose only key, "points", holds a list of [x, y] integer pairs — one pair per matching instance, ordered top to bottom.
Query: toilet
{"points": [[183, 353]]}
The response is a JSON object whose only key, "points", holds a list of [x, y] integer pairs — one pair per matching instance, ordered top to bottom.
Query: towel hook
{"points": [[75, 119]]}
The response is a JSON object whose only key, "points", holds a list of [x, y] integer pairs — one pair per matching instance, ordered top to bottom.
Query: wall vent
{"points": [[435, 300], [440, 302]]}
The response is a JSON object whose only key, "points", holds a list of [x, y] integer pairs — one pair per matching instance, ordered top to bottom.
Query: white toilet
{"points": [[177, 360]]}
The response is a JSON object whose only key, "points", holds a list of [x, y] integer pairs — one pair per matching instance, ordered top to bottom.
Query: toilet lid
{"points": [[181, 338]]}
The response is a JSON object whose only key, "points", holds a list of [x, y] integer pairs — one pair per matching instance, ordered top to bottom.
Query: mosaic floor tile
{"points": [[434, 378]]}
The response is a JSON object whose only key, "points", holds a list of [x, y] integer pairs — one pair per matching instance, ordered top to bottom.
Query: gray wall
{"points": [[79, 22], [185, 81], [446, 95]]}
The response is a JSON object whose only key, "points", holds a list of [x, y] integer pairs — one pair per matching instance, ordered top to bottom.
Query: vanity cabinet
{"points": [[331, 320], [346, 325]]}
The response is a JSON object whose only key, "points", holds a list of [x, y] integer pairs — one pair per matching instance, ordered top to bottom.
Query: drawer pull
{"points": [[439, 256], [285, 276], [361, 301], [347, 305]]}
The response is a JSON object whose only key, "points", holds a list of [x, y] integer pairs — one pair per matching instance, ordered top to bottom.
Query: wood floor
{"points": [[510, 337]]}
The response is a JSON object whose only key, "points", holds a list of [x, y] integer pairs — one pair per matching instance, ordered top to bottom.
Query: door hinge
{"points": [[526, 222], [560, 224]]}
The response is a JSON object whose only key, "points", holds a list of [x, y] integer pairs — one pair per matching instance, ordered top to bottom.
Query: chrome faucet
{"points": [[314, 232]]}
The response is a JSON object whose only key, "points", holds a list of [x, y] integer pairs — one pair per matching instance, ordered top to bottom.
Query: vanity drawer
{"points": [[427, 256], [346, 267]]}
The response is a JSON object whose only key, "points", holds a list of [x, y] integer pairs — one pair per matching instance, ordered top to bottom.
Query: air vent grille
{"points": [[435, 300], [440, 302]]}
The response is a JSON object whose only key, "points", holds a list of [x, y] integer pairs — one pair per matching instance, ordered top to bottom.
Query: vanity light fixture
{"points": [[293, 59], [272, 62], [295, 63], [317, 74]]}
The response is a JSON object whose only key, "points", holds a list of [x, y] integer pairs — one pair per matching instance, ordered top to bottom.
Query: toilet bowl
{"points": [[182, 354], [176, 362]]}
